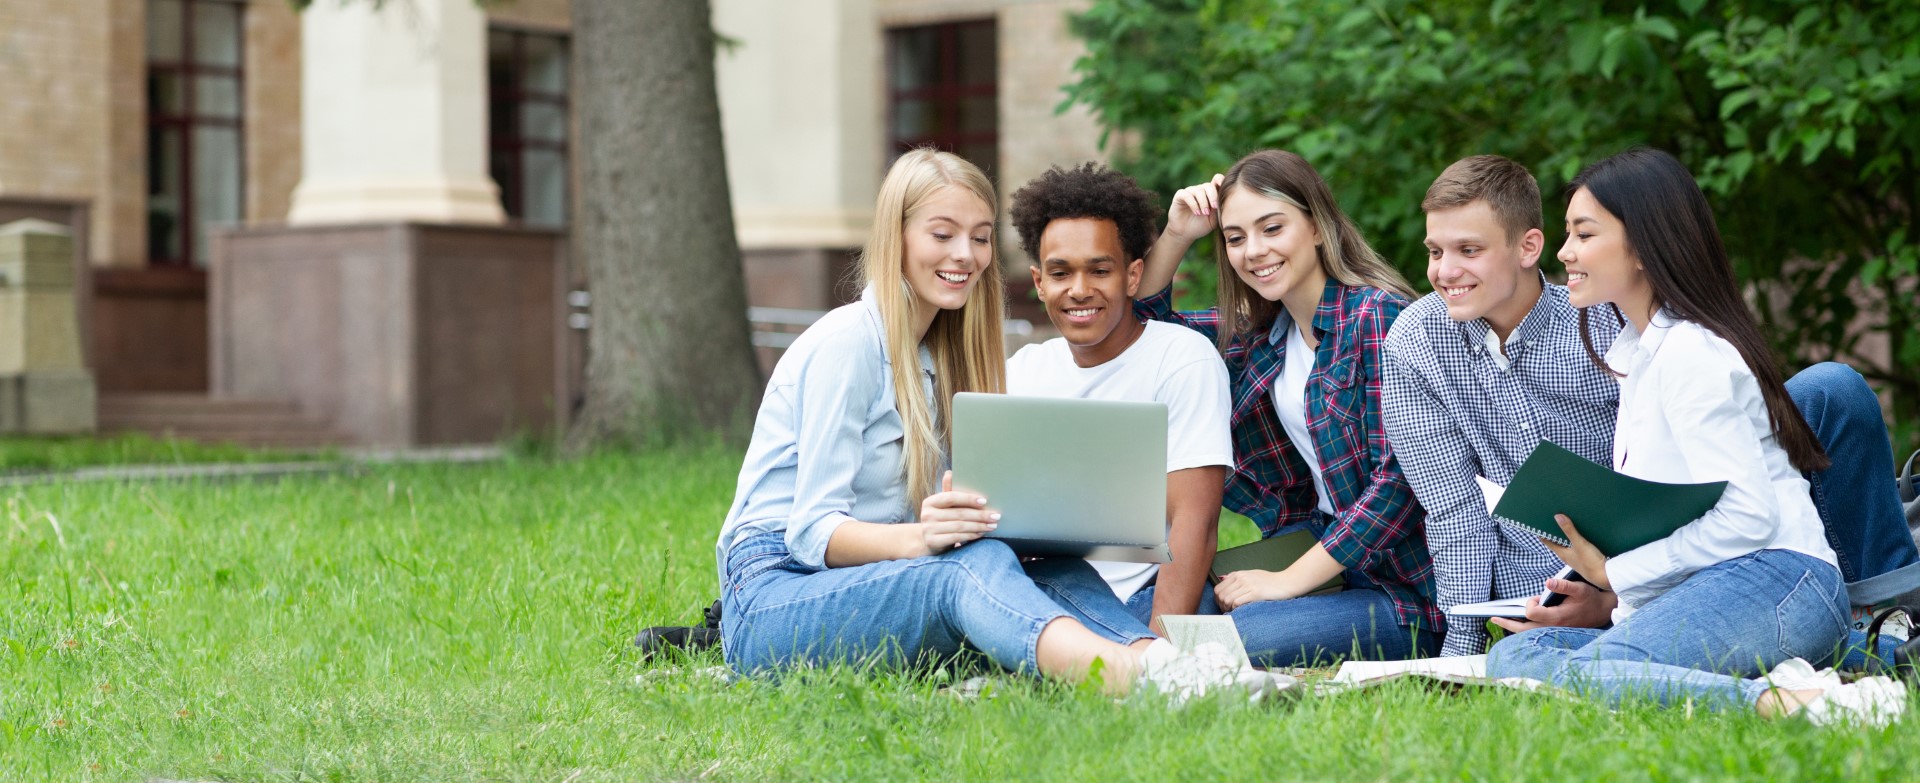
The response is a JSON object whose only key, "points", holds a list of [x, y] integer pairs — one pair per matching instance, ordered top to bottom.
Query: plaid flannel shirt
{"points": [[1377, 527]]}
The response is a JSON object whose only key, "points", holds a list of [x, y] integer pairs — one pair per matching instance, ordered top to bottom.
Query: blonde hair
{"points": [[1344, 254], [968, 352]]}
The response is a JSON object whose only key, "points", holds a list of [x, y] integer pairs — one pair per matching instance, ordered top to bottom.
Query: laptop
{"points": [[1070, 477]]}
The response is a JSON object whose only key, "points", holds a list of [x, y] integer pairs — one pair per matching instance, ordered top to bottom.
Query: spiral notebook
{"points": [[1618, 513]]}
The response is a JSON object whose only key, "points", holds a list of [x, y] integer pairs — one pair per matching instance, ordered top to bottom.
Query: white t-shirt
{"points": [[1168, 364], [1290, 402]]}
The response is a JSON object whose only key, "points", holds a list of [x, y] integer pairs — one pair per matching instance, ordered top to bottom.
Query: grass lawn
{"points": [[34, 454], [443, 623]]}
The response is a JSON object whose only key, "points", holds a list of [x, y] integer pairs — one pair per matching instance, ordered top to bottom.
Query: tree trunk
{"points": [[669, 352]]}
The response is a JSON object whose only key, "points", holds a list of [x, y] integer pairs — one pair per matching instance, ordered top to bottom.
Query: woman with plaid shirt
{"points": [[1304, 309]]}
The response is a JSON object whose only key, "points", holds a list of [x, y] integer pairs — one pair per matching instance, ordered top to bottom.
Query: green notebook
{"points": [[1618, 513], [1271, 554]]}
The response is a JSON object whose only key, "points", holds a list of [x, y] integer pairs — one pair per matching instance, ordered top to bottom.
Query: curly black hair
{"points": [[1089, 190]]}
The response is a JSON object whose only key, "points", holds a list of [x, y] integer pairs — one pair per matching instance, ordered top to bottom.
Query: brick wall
{"points": [[547, 14], [55, 58], [1036, 59], [273, 109]]}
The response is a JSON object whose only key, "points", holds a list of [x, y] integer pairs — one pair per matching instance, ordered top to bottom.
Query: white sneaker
{"points": [[1209, 668], [1795, 674], [1872, 702]]}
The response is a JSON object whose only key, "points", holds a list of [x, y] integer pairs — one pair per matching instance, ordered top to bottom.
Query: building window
{"points": [[942, 90], [527, 123], [195, 173]]}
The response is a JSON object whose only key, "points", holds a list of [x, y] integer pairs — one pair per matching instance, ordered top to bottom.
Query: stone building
{"points": [[349, 226]]}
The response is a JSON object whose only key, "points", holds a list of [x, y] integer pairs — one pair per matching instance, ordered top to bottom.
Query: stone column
{"points": [[394, 114], [45, 388]]}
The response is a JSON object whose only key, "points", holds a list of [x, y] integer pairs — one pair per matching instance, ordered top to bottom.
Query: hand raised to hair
{"points": [[1195, 210]]}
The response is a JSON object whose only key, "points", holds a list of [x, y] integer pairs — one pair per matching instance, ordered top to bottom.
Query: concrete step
{"points": [[136, 404], [208, 420], [255, 423]]}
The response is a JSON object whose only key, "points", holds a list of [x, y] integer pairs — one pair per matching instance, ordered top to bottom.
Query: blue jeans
{"points": [[1864, 521], [1075, 586], [1141, 603], [775, 614], [1356, 623], [1700, 640]]}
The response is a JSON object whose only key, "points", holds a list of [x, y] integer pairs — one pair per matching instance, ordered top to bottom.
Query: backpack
{"points": [[1909, 485]]}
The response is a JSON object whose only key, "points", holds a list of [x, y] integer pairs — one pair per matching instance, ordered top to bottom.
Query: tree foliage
{"points": [[1798, 118]]}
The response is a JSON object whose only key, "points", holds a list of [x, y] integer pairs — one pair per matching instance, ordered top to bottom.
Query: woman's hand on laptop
{"points": [[950, 517]]}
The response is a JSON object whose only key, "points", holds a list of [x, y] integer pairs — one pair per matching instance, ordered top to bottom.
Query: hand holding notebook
{"points": [[1616, 512]]}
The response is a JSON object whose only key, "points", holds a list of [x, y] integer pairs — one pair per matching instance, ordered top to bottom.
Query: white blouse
{"points": [[1691, 412]]}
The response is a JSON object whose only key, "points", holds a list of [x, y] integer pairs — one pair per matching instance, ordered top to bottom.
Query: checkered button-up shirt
{"points": [[1455, 409], [1376, 527]]}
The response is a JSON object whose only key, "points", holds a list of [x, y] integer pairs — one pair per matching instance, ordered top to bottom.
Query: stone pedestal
{"points": [[394, 114], [395, 334], [44, 384]]}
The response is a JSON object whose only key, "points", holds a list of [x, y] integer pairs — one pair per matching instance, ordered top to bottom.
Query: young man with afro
{"points": [[1087, 230]]}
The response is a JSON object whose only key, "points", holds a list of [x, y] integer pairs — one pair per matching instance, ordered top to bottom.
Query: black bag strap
{"points": [[1909, 482], [1906, 658]]}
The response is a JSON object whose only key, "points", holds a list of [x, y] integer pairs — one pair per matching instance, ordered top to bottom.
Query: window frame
{"points": [[187, 70], [944, 93], [516, 95]]}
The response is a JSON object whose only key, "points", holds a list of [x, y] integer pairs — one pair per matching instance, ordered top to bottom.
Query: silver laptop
{"points": [[1079, 478]]}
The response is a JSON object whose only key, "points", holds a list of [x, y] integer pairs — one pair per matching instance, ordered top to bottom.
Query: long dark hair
{"points": [[1671, 232], [1344, 253]]}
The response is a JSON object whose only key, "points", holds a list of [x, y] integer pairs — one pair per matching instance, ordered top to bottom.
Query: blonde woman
{"points": [[1304, 309], [822, 558]]}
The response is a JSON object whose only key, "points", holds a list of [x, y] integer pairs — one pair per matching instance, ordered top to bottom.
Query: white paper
{"points": [[1492, 491], [1515, 608], [1188, 631], [1473, 666]]}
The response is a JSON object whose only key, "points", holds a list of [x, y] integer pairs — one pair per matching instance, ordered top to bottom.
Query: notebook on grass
{"points": [[1618, 513], [1271, 554]]}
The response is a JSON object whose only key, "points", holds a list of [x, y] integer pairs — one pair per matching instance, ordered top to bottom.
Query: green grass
{"points": [[67, 453], [442, 623]]}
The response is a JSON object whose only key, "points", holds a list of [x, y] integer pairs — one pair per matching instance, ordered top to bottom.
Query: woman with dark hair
{"points": [[1304, 309], [1751, 586]]}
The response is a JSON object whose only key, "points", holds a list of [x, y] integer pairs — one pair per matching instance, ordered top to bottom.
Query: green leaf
{"points": [[1692, 7], [1499, 11], [1353, 19], [1660, 28], [1583, 50], [1426, 72], [1737, 99], [1736, 135], [1844, 141], [1811, 145], [1739, 163], [1870, 274]]}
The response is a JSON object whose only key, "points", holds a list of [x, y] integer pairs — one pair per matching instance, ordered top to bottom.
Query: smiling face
{"points": [[949, 240], [1272, 245], [1601, 267], [1477, 270], [1087, 284]]}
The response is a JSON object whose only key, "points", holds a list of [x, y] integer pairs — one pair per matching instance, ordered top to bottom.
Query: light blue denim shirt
{"points": [[827, 442]]}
